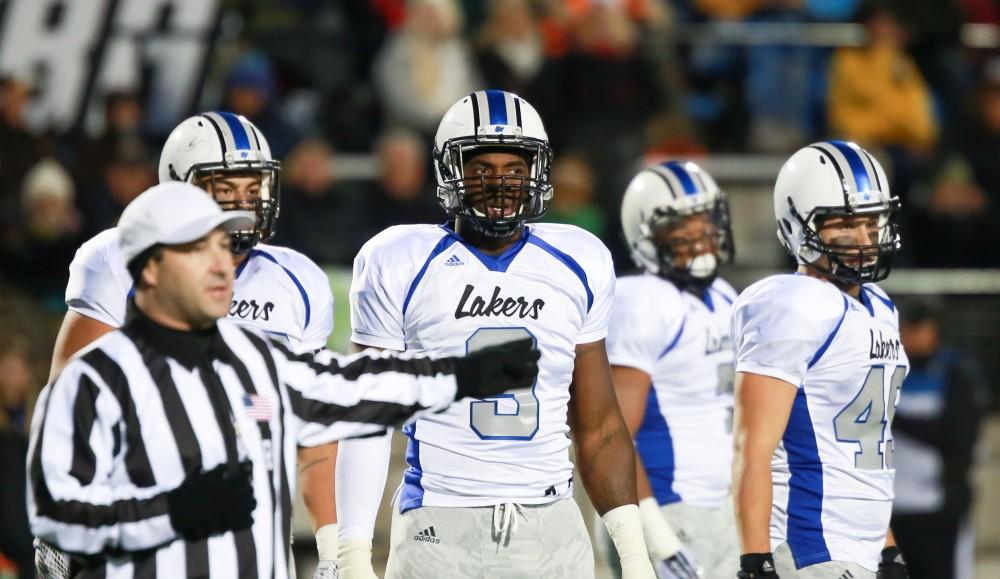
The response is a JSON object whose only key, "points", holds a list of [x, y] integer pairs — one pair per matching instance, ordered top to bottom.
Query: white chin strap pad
{"points": [[703, 265]]}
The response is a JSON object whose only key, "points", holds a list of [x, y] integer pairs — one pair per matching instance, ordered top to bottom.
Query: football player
{"points": [[277, 290], [672, 362], [819, 366], [488, 491]]}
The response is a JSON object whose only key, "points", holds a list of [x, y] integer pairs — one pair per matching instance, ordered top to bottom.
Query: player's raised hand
{"points": [[496, 369], [680, 565]]}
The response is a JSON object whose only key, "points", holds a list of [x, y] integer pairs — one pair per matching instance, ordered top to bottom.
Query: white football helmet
{"points": [[491, 121], [205, 147], [836, 178], [657, 198]]}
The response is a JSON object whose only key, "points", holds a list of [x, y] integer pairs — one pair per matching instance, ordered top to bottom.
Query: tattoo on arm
{"points": [[304, 467]]}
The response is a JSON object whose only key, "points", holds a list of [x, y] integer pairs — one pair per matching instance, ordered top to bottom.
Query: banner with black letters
{"points": [[74, 52]]}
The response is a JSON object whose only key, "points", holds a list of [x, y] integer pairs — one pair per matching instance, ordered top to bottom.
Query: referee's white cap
{"points": [[173, 213]]}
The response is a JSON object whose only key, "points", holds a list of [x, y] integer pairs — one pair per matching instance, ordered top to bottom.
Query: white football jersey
{"points": [[421, 288], [277, 290], [683, 343], [833, 471]]}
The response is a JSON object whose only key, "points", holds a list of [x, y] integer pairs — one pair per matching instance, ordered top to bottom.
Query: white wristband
{"points": [[625, 527], [660, 538], [327, 542], [356, 559]]}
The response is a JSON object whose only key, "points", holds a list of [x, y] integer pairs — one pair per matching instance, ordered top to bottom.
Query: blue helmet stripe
{"points": [[497, 105], [240, 137], [856, 164], [683, 176]]}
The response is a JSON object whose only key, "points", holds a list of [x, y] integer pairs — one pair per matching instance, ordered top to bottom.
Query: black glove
{"points": [[493, 370], [212, 502], [756, 565], [891, 565]]}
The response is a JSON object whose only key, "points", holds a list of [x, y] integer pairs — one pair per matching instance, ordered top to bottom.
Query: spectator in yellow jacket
{"points": [[877, 95]]}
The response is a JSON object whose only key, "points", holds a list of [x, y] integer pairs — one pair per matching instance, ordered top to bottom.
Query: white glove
{"points": [[625, 528], [356, 559], [673, 561], [680, 565], [326, 570]]}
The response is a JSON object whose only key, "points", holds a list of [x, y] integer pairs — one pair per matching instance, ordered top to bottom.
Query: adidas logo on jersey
{"points": [[453, 260], [427, 536]]}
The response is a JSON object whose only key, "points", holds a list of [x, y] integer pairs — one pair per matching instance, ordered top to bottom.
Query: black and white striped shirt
{"points": [[133, 414]]}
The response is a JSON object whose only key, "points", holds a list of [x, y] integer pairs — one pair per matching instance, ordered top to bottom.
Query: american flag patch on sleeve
{"points": [[258, 407]]}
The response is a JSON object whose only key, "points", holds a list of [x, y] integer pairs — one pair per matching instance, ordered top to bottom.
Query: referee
{"points": [[167, 447]]}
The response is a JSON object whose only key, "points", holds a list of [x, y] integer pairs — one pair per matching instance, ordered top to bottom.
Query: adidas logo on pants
{"points": [[427, 536]]}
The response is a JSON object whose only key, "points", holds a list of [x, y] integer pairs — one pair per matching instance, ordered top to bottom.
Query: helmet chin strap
{"points": [[490, 230], [242, 245]]}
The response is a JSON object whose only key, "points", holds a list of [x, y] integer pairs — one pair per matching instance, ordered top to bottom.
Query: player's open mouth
{"points": [[496, 211], [861, 261]]}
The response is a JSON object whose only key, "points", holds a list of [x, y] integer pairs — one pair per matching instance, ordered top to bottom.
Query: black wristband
{"points": [[892, 555], [759, 564], [891, 564]]}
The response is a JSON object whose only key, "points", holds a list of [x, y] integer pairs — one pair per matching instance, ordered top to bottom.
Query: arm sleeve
{"points": [[602, 286], [95, 288], [376, 306], [637, 337], [779, 337], [335, 397], [75, 447], [362, 469]]}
